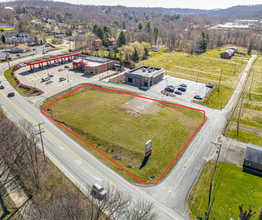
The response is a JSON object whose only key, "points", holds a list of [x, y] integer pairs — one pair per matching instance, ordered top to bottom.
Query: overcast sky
{"points": [[196, 4]]}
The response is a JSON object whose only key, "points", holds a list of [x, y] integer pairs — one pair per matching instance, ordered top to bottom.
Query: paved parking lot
{"points": [[34, 79], [193, 87]]}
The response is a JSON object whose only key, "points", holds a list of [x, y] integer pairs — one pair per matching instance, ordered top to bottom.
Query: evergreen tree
{"points": [[117, 23], [140, 26], [148, 26], [95, 29], [107, 31], [156, 32], [100, 33], [122, 38], [3, 39], [105, 42], [249, 51], [146, 52], [135, 55]]}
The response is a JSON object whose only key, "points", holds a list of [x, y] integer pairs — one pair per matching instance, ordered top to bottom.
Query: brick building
{"points": [[93, 65]]}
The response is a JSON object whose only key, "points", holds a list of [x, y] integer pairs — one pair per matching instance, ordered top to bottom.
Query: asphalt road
{"points": [[38, 50], [84, 169]]}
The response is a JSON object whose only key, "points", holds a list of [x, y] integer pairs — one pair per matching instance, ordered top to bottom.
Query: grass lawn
{"points": [[206, 67], [251, 114], [101, 118], [233, 187]]}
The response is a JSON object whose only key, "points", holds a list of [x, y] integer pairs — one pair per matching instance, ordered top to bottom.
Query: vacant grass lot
{"points": [[205, 67], [251, 113], [99, 117], [233, 187]]}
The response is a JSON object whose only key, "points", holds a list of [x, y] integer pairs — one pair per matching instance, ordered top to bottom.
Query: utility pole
{"points": [[7, 57], [220, 79], [251, 86], [239, 113], [40, 132], [211, 182], [208, 211]]}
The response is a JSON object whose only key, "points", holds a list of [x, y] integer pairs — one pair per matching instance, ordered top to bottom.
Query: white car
{"points": [[99, 190]]}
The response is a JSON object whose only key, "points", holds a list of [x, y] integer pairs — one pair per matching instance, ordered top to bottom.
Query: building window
{"points": [[130, 80]]}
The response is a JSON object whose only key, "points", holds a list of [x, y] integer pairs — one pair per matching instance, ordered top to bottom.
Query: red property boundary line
{"points": [[138, 180]]}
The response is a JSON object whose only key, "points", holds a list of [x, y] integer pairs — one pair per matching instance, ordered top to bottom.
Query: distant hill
{"points": [[240, 12]]}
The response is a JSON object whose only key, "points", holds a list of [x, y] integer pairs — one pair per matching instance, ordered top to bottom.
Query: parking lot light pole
{"points": [[220, 79]]}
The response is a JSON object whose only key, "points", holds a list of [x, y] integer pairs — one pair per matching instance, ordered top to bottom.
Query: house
{"points": [[63, 25], [14, 38], [57, 41], [112, 41], [98, 42], [233, 48], [20, 49], [227, 54], [144, 76], [252, 159]]}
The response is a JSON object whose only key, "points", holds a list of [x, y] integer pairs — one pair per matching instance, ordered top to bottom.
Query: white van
{"points": [[99, 190]]}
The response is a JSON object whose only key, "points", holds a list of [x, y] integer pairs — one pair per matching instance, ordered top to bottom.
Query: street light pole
{"points": [[220, 79]]}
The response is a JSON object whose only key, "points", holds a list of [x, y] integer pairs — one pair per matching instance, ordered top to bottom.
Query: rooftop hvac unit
{"points": [[144, 70]]}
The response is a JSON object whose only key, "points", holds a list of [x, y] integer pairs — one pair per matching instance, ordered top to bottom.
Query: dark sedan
{"points": [[183, 89], [198, 97]]}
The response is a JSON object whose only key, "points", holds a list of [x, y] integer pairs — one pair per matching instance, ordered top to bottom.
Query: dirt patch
{"points": [[142, 106]]}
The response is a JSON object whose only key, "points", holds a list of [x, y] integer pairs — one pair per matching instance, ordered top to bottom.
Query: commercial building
{"points": [[20, 49], [93, 65], [144, 76], [252, 159]]}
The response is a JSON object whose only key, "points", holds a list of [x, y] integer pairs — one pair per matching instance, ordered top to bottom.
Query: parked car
{"points": [[68, 43], [47, 45], [33, 49], [18, 55], [55, 64], [67, 66], [51, 75], [45, 78], [62, 79], [49, 81], [183, 85], [210, 85], [171, 86], [2, 87], [169, 89], [183, 89], [178, 92], [11, 94], [198, 97], [99, 190]]}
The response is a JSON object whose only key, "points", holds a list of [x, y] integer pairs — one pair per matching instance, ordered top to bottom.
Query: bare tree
{"points": [[245, 215]]}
